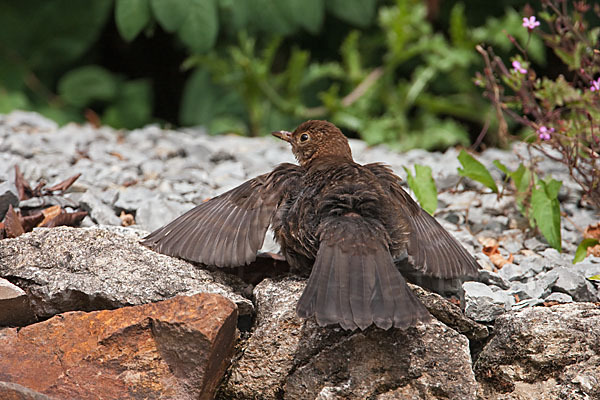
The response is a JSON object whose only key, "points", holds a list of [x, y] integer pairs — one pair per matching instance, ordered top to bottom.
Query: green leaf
{"points": [[357, 12], [305, 13], [170, 14], [131, 17], [200, 28], [64, 30], [82, 86], [10, 101], [203, 102], [133, 106], [502, 167], [475, 170], [423, 185], [546, 211], [581, 251], [594, 278]]}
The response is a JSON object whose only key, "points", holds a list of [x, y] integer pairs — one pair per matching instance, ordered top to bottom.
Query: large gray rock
{"points": [[64, 269], [543, 353], [289, 358]]}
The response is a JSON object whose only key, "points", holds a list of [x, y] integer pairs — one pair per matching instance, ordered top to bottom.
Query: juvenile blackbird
{"points": [[345, 223]]}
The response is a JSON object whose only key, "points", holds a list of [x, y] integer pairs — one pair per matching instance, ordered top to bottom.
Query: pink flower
{"points": [[530, 23], [517, 67], [595, 85], [544, 133]]}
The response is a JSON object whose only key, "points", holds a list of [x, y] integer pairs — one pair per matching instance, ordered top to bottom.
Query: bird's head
{"points": [[316, 139]]}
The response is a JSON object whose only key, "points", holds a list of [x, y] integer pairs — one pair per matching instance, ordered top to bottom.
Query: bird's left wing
{"points": [[227, 230], [432, 250]]}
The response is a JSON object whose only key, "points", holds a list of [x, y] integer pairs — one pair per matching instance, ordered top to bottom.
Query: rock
{"points": [[8, 197], [131, 198], [98, 211], [155, 212], [534, 244], [64, 269], [514, 272], [492, 278], [575, 285], [534, 289], [559, 298], [483, 304], [14, 305], [450, 314], [178, 348], [543, 353], [288, 358], [13, 391]]}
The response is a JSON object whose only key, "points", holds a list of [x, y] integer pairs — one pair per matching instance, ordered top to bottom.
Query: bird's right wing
{"points": [[227, 230], [354, 281]]}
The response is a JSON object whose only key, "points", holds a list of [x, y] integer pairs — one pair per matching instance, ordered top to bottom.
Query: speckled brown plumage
{"points": [[343, 222]]}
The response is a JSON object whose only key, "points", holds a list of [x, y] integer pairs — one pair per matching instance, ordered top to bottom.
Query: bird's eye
{"points": [[304, 137]]}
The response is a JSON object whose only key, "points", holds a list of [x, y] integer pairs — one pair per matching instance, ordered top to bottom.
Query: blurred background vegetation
{"points": [[397, 72]]}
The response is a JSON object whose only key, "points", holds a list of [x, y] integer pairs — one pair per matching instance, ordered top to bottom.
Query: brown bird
{"points": [[345, 223]]}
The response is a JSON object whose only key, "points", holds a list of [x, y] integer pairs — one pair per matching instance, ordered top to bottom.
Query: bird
{"points": [[347, 226]]}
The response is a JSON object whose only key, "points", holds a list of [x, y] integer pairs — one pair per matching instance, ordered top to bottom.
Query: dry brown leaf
{"points": [[118, 155], [22, 185], [64, 185], [50, 213], [66, 219], [126, 219], [30, 221], [12, 223], [592, 232], [594, 250], [495, 257]]}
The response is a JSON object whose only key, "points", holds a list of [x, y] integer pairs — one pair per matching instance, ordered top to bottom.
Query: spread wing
{"points": [[229, 229], [432, 250], [354, 281]]}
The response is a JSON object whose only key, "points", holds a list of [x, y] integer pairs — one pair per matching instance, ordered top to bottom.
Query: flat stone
{"points": [[131, 198], [97, 210], [155, 212], [65, 269], [493, 278], [534, 289], [559, 297], [483, 304], [14, 305], [178, 348], [543, 353]]}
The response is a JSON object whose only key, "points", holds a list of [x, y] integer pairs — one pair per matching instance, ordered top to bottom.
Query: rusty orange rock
{"points": [[174, 349]]}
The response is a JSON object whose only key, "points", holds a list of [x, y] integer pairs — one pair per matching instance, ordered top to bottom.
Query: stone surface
{"points": [[64, 269], [484, 304], [14, 305], [174, 349], [543, 353], [288, 358]]}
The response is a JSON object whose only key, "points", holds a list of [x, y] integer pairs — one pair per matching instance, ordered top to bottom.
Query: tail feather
{"points": [[355, 283]]}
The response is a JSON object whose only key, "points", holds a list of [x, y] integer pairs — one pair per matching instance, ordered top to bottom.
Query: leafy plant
{"points": [[561, 115]]}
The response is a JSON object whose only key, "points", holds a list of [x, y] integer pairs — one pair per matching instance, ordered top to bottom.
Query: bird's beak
{"points": [[283, 135]]}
